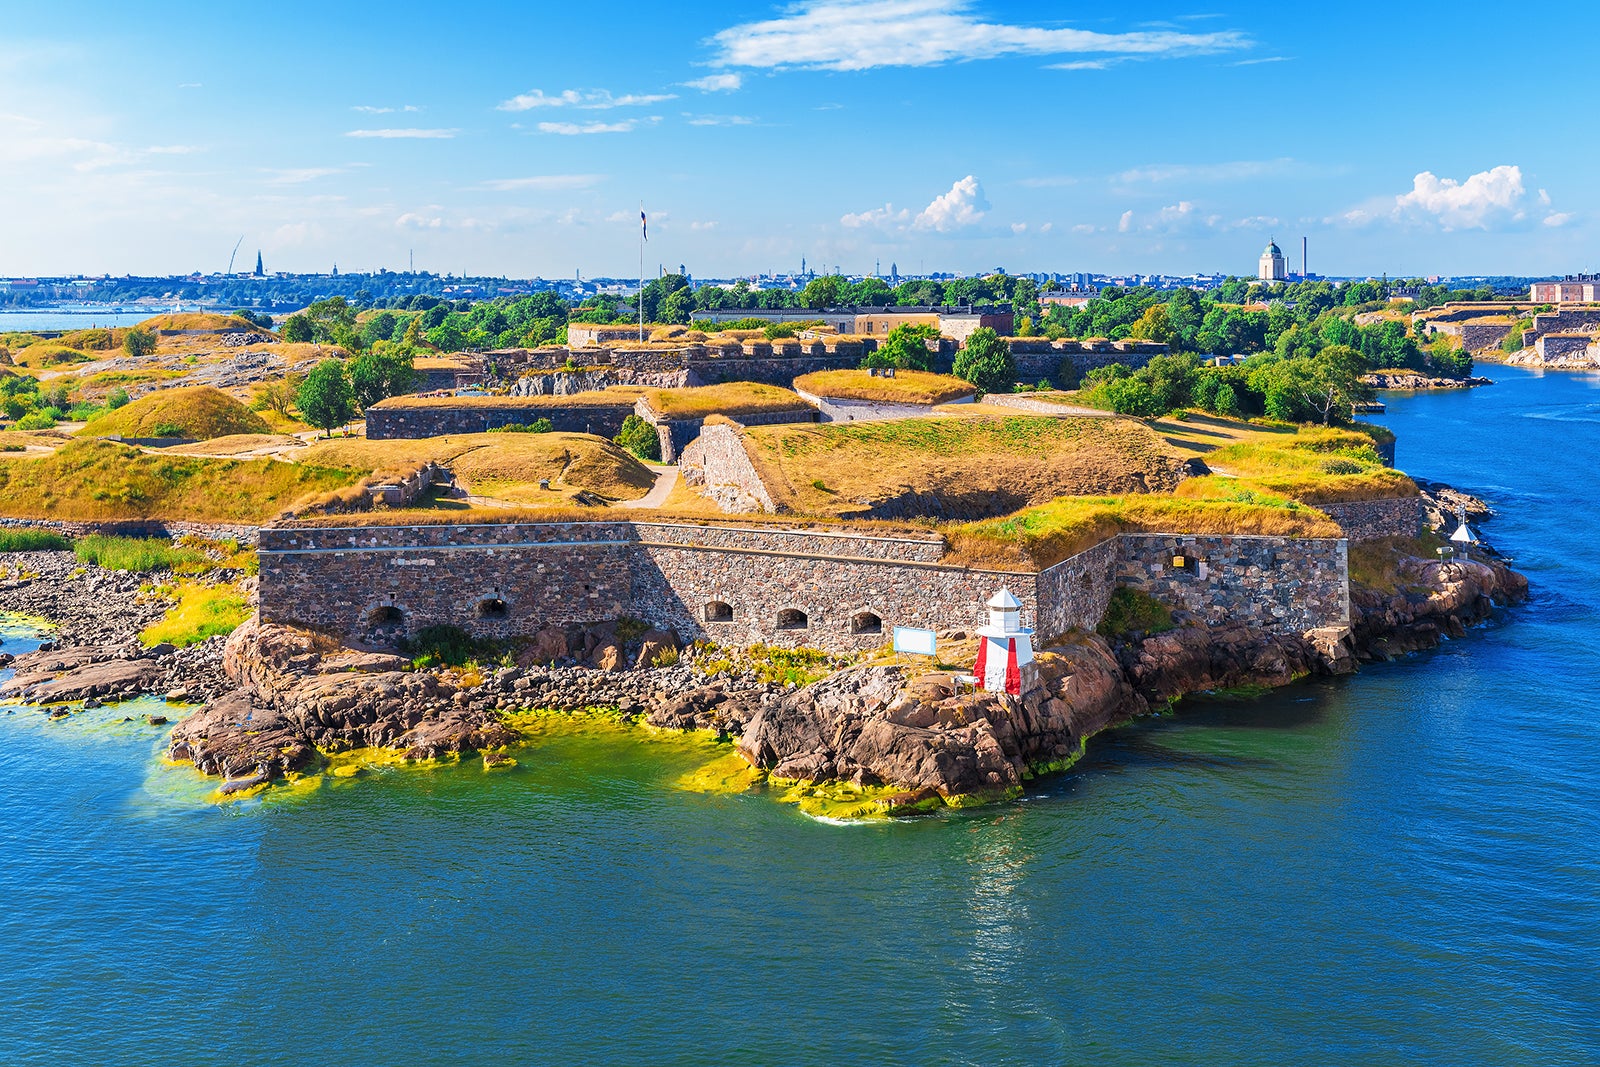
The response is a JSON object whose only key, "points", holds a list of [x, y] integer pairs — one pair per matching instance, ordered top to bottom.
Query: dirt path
{"points": [[666, 480]]}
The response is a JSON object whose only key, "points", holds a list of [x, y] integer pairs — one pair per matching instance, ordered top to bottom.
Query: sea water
{"points": [[1397, 868]]}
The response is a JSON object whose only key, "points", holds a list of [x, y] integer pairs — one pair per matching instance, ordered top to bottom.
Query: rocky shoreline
{"points": [[1414, 382], [276, 699]]}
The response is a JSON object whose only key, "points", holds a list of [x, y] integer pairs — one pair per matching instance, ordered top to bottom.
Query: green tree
{"points": [[823, 292], [1154, 325], [298, 329], [447, 337], [139, 342], [905, 347], [985, 361], [377, 375], [324, 396], [639, 437]]}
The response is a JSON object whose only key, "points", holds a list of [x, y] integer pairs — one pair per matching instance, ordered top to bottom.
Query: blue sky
{"points": [[519, 139]]}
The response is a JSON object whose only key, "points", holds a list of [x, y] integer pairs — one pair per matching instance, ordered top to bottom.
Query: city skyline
{"points": [[934, 134]]}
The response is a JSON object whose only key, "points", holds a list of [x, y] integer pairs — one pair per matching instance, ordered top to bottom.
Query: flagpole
{"points": [[642, 238]]}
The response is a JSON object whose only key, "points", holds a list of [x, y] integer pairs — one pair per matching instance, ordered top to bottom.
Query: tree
{"points": [[823, 292], [1154, 325], [298, 329], [140, 342], [906, 347], [986, 361], [375, 376], [324, 397], [639, 437]]}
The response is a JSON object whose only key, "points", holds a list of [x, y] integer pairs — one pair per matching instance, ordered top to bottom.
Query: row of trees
{"points": [[1324, 387], [335, 391]]}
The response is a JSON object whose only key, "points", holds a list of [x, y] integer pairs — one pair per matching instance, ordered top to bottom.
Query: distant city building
{"points": [[1274, 266], [1573, 289], [1071, 298], [957, 322]]}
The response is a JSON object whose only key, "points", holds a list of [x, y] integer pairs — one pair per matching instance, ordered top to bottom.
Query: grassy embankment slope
{"points": [[906, 387], [732, 399], [197, 411], [972, 465]]}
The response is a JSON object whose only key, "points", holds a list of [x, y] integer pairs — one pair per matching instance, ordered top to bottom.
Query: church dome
{"points": [[1273, 249]]}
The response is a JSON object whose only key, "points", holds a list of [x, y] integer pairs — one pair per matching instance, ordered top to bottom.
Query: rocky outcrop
{"points": [[1421, 381], [1427, 601]]}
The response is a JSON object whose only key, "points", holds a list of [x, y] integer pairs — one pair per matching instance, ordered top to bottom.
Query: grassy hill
{"points": [[198, 321], [906, 387], [199, 411], [504, 466], [958, 466], [102, 480]]}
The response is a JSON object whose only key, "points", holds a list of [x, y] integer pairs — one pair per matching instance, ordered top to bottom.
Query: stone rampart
{"points": [[1481, 337], [1558, 345], [462, 415], [676, 434], [716, 465], [1368, 520], [1278, 584], [836, 590]]}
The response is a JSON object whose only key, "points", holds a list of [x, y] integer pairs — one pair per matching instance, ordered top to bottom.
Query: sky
{"points": [[955, 135]]}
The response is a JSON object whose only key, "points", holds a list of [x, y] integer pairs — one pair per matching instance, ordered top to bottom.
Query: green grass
{"points": [[1315, 466], [33, 541], [136, 553], [200, 611]]}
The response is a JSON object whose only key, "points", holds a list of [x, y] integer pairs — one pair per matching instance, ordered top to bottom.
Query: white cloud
{"points": [[862, 34], [1263, 59], [716, 83], [189, 85], [582, 99], [366, 109], [718, 120], [575, 129], [407, 134], [174, 149], [1239, 170], [300, 175], [1055, 181], [544, 182], [1484, 199], [962, 206], [884, 216], [1187, 217], [1560, 218], [411, 220], [702, 225], [1019, 227]]}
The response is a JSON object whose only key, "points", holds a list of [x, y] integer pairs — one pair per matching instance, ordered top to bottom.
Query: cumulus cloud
{"points": [[862, 34], [716, 83], [582, 99], [367, 109], [578, 129], [407, 134], [544, 182], [1485, 198], [964, 205], [879, 216], [1187, 217], [1560, 218], [412, 220]]}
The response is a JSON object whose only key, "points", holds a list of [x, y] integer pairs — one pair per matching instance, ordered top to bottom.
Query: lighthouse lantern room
{"points": [[1005, 648]]}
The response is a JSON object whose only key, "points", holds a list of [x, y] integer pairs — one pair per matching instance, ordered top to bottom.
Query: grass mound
{"points": [[198, 321], [46, 354], [906, 387], [729, 398], [198, 411], [1317, 465], [504, 466], [957, 467], [102, 480], [1041, 537]]}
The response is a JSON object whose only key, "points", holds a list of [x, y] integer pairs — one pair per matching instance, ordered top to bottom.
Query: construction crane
{"points": [[235, 252]]}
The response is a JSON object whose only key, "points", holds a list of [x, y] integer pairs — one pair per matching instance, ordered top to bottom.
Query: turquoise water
{"points": [[78, 318], [1400, 868]]}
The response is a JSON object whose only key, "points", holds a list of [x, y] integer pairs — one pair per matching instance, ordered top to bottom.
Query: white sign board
{"points": [[916, 642]]}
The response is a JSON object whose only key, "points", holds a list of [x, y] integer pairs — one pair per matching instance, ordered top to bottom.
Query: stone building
{"points": [[1274, 265]]}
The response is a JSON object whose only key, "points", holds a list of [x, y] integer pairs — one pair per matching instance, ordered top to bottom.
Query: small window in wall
{"points": [[1182, 562], [493, 608], [718, 611], [386, 615], [792, 619], [866, 623]]}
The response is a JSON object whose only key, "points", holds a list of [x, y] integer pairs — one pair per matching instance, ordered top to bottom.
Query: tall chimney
{"points": [[1305, 271]]}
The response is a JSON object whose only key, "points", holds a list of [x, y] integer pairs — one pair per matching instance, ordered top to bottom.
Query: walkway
{"points": [[666, 479]]}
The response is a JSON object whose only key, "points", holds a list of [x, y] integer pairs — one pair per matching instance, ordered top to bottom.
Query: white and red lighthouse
{"points": [[1005, 648]]}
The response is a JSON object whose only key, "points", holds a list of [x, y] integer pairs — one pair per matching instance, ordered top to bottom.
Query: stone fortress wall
{"points": [[739, 585]]}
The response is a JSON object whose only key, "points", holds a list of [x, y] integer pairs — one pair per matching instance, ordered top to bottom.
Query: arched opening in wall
{"points": [[493, 608], [718, 611], [386, 617], [792, 619], [866, 623]]}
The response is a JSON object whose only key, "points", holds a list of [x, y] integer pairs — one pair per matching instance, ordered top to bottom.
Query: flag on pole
{"points": [[644, 225]]}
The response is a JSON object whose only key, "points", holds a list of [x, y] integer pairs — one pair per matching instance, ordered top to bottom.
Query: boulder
{"points": [[653, 644]]}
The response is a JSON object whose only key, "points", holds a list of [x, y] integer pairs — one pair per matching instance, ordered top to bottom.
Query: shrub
{"points": [[139, 342], [986, 361], [36, 420], [536, 426], [167, 429], [639, 437], [31, 540], [136, 553], [1132, 610], [201, 611], [443, 646]]}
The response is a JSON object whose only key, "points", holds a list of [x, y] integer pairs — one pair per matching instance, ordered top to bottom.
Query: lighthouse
{"points": [[1005, 648]]}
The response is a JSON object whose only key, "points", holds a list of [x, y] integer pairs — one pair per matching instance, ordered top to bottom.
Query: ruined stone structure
{"points": [[418, 417], [832, 589]]}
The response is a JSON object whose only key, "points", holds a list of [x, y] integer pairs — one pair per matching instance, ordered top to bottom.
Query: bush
{"points": [[139, 342], [986, 361], [117, 398], [36, 420], [536, 426], [168, 429], [639, 437], [31, 540], [136, 553], [1132, 610], [443, 646]]}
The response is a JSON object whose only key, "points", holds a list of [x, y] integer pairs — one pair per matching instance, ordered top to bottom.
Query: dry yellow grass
{"points": [[197, 321], [47, 354], [906, 387], [730, 398], [201, 411], [242, 444], [503, 466], [957, 467]]}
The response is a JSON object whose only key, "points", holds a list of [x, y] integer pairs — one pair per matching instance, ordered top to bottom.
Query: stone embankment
{"points": [[1421, 381]]}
